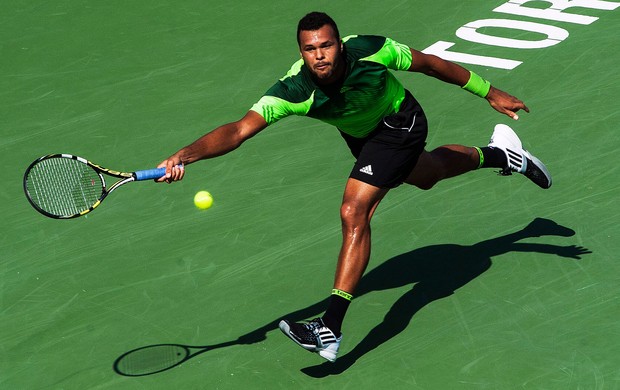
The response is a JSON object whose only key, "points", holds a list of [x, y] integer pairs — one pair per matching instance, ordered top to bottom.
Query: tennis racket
{"points": [[65, 186]]}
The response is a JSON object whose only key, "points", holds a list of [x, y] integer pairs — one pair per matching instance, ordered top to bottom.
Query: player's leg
{"points": [[504, 152], [384, 158], [442, 163], [359, 203], [323, 334]]}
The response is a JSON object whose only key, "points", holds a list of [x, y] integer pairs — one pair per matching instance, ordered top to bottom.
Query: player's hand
{"points": [[505, 103], [175, 170]]}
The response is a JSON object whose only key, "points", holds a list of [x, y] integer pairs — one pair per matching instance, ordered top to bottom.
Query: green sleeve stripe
{"points": [[394, 55], [295, 69], [273, 108]]}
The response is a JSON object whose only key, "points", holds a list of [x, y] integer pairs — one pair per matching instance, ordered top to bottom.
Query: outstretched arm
{"points": [[450, 72], [222, 140]]}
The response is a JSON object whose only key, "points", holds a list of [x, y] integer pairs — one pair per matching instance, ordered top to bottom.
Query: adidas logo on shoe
{"points": [[515, 161], [367, 170]]}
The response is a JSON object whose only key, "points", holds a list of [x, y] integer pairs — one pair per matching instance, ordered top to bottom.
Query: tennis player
{"points": [[348, 83]]}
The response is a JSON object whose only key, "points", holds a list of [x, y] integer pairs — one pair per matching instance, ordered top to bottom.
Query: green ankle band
{"points": [[477, 85], [481, 157], [342, 294]]}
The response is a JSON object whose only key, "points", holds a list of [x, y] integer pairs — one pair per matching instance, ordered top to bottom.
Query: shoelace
{"points": [[313, 326]]}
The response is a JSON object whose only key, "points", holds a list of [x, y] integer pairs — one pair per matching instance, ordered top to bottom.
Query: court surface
{"points": [[484, 282]]}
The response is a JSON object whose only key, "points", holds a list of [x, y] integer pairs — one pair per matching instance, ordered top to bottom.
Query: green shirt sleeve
{"points": [[393, 55], [277, 104], [274, 108]]}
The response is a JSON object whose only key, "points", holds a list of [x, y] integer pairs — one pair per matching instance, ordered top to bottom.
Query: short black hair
{"points": [[314, 21]]}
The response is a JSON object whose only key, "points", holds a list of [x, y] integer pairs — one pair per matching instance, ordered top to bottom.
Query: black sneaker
{"points": [[519, 159], [313, 336]]}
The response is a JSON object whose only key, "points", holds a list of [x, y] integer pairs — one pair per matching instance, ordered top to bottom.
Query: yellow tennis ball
{"points": [[203, 200]]}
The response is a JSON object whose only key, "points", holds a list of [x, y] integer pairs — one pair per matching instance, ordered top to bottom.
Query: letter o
{"points": [[554, 34]]}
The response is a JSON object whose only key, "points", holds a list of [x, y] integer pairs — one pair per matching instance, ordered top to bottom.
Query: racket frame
{"points": [[126, 177]]}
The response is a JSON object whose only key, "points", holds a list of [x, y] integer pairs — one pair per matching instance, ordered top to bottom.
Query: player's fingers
{"points": [[521, 106], [504, 109], [512, 109], [509, 112], [512, 114], [161, 165], [170, 171], [179, 172], [176, 173], [166, 177], [161, 179]]}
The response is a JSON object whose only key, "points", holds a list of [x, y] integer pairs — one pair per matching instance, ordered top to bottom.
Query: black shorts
{"points": [[389, 153]]}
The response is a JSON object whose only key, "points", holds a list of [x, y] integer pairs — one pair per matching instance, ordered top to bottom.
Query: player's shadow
{"points": [[435, 272]]}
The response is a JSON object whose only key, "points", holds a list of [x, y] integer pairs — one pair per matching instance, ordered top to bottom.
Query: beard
{"points": [[327, 72]]}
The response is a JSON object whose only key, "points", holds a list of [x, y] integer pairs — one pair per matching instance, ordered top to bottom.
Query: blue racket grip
{"points": [[149, 174]]}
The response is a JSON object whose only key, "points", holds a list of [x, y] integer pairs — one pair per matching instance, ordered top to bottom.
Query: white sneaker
{"points": [[519, 159], [313, 336]]}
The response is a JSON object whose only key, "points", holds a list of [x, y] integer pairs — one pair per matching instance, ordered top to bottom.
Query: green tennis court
{"points": [[484, 282]]}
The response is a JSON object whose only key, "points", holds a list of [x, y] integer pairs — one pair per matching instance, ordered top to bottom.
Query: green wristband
{"points": [[477, 85]]}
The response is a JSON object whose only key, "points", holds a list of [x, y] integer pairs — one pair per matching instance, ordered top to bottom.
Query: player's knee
{"points": [[348, 212], [352, 215]]}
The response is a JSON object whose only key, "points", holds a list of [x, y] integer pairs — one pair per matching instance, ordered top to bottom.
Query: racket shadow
{"points": [[435, 271], [157, 358]]}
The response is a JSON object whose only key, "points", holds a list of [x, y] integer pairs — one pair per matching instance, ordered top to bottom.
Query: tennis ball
{"points": [[203, 200]]}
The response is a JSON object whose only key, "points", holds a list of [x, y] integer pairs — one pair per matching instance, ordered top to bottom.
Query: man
{"points": [[347, 83]]}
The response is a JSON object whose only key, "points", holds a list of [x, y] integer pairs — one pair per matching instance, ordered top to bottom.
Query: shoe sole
{"points": [[541, 167], [330, 357]]}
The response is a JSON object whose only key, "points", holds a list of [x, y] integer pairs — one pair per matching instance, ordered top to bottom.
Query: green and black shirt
{"points": [[369, 91]]}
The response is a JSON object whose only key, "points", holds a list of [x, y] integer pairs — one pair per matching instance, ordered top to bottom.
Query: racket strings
{"points": [[64, 187]]}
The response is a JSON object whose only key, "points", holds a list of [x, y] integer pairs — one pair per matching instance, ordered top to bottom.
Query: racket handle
{"points": [[149, 174]]}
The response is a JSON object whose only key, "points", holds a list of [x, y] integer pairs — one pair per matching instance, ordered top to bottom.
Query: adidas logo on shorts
{"points": [[367, 170]]}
